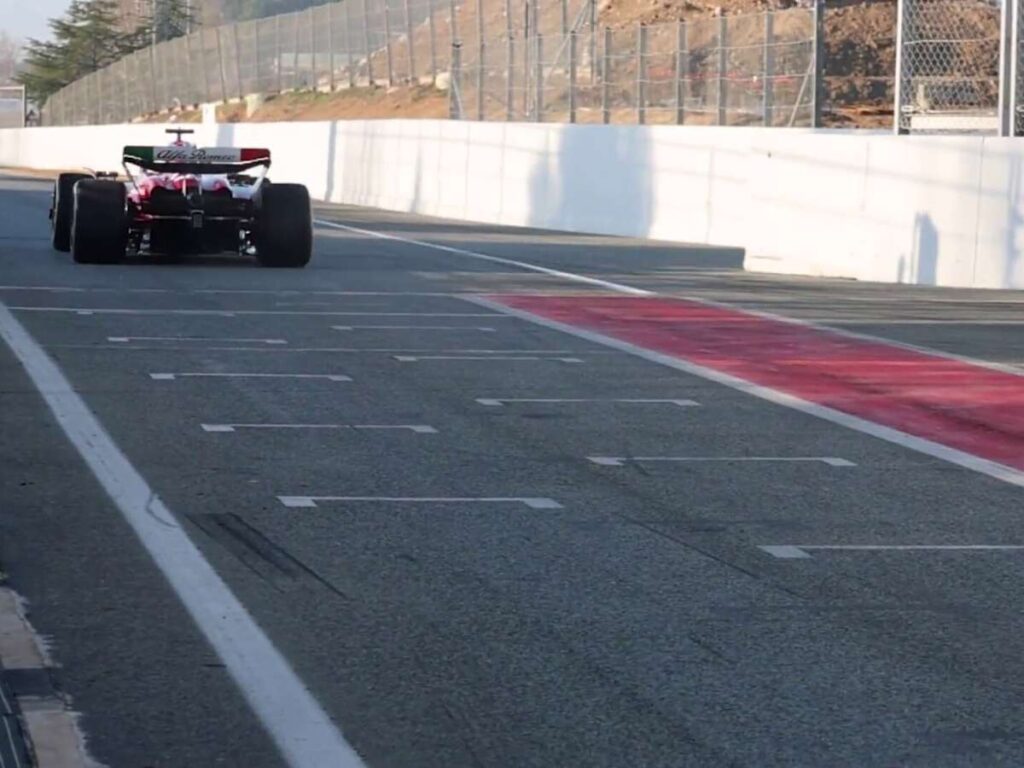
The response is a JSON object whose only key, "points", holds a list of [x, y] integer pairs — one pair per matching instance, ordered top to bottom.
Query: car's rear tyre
{"points": [[63, 209], [99, 227], [283, 234]]}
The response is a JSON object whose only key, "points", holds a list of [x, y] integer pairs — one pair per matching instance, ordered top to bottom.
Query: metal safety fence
{"points": [[539, 60]]}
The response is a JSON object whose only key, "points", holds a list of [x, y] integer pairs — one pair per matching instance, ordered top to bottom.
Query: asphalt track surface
{"points": [[622, 616]]}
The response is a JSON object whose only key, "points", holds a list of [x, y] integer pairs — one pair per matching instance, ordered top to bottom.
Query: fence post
{"points": [[565, 16], [453, 31], [593, 40], [408, 42], [433, 42], [366, 43], [387, 44], [330, 48], [1007, 51], [279, 54], [349, 55], [723, 60], [238, 61], [510, 61], [819, 62], [480, 65], [221, 66], [682, 68], [606, 69], [768, 70], [902, 70], [152, 75], [539, 75], [296, 76], [572, 76], [641, 78], [454, 94], [126, 114], [1016, 114]]}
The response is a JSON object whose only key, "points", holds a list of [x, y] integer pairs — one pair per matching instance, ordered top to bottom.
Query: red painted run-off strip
{"points": [[972, 408]]}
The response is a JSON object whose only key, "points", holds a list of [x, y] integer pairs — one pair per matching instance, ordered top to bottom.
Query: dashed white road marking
{"points": [[237, 312], [482, 329], [128, 339], [420, 358], [201, 374], [500, 401], [421, 429], [921, 445], [618, 461], [306, 502], [802, 551], [303, 732]]}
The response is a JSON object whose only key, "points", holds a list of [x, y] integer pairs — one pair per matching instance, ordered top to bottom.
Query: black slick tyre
{"points": [[63, 209], [99, 227], [283, 233]]}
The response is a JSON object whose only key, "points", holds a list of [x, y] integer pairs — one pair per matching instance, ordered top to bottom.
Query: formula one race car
{"points": [[182, 199]]}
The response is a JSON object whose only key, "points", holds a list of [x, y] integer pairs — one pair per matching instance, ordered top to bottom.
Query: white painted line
{"points": [[493, 259], [236, 312], [482, 329], [128, 339], [420, 358], [198, 374], [497, 402], [422, 429], [919, 444], [618, 461], [299, 502], [797, 551], [301, 729]]}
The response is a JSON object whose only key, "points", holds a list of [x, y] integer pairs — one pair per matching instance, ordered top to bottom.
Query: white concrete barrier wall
{"points": [[927, 210]]}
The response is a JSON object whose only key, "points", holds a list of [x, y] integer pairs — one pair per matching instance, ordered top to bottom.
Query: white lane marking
{"points": [[493, 259], [236, 312], [483, 329], [128, 339], [346, 350], [420, 358], [198, 374], [500, 401], [421, 429], [936, 450], [618, 461], [298, 502], [800, 551], [301, 729]]}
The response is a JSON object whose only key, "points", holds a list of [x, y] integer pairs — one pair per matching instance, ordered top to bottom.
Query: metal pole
{"points": [[565, 17], [453, 31], [723, 32], [593, 40], [408, 42], [433, 42], [366, 43], [387, 44], [330, 47], [278, 54], [349, 55], [510, 60], [238, 61], [526, 61], [819, 62], [221, 64], [682, 67], [1006, 69], [606, 70], [768, 70], [902, 70], [152, 75], [539, 75], [296, 77], [572, 77], [641, 79], [480, 80], [315, 82], [454, 95], [126, 115], [1016, 115]]}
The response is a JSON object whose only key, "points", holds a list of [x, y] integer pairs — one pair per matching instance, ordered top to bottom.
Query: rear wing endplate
{"points": [[196, 160]]}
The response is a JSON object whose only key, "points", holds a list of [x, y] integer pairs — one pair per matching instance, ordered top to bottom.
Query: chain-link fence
{"points": [[531, 61], [948, 67], [756, 69], [12, 106]]}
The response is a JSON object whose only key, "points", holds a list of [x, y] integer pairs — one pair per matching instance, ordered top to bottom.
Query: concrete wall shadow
{"points": [[925, 254]]}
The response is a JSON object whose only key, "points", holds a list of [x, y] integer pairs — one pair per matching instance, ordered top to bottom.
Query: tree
{"points": [[173, 18], [87, 38]]}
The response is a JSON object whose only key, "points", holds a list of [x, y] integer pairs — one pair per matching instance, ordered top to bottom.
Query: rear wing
{"points": [[196, 160]]}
